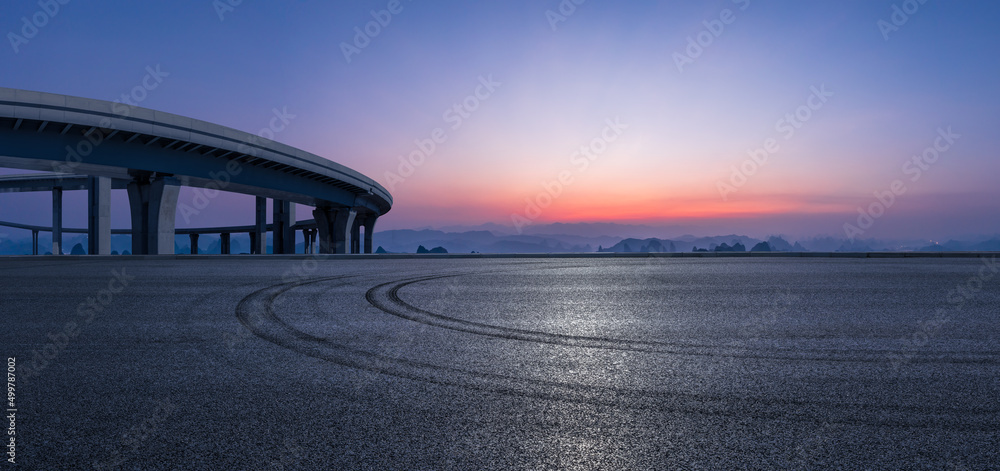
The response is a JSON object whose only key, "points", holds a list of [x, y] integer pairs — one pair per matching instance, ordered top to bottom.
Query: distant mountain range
{"points": [[551, 238], [546, 240], [407, 241], [991, 245]]}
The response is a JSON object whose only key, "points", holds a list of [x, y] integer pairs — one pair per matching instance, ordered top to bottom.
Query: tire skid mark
{"points": [[386, 298], [255, 311]]}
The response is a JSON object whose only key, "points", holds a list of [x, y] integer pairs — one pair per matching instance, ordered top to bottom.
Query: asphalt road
{"points": [[257, 363]]}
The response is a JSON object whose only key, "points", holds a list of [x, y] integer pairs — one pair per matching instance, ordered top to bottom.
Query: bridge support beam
{"points": [[57, 201], [153, 201], [99, 216], [282, 220], [367, 220], [334, 225], [369, 232], [356, 233], [258, 238], [225, 240], [310, 240], [34, 242], [194, 243]]}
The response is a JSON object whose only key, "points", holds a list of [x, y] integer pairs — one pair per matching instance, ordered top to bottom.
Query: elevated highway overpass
{"points": [[98, 146]]}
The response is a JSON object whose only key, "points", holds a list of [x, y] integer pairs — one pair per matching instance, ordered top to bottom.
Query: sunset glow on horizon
{"points": [[742, 116]]}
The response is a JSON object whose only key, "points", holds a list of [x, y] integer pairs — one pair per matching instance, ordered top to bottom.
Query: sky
{"points": [[737, 116]]}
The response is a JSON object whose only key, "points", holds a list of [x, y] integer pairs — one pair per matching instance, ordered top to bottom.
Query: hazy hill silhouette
{"points": [[541, 239]]}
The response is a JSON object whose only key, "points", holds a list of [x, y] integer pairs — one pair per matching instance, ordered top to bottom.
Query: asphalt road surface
{"points": [[621, 363]]}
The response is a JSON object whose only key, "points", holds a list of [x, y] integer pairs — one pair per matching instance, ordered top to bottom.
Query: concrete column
{"points": [[57, 194], [153, 203], [99, 216], [324, 218], [282, 220], [290, 221], [334, 226], [369, 232], [356, 234], [308, 236], [258, 238], [34, 242], [194, 243], [224, 243]]}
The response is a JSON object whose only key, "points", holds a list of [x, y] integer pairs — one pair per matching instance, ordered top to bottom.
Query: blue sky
{"points": [[686, 130]]}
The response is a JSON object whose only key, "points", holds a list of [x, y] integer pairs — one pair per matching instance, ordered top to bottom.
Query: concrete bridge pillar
{"points": [[57, 200], [153, 201], [99, 216], [282, 219], [366, 220], [334, 226], [369, 232], [356, 234], [258, 238], [310, 240], [34, 242], [194, 243], [224, 243]]}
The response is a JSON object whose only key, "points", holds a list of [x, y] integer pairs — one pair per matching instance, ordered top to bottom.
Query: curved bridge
{"points": [[152, 154]]}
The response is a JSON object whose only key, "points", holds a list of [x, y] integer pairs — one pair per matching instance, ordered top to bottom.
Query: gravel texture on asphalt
{"points": [[630, 363]]}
